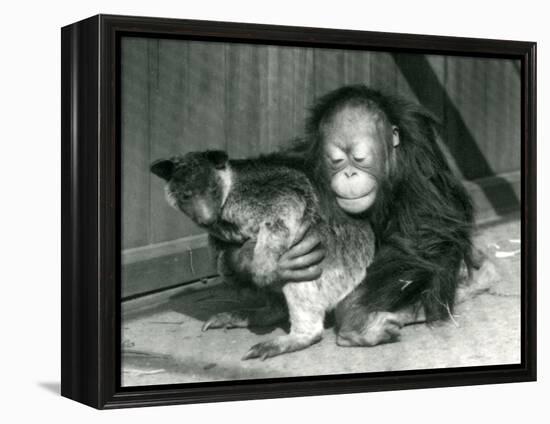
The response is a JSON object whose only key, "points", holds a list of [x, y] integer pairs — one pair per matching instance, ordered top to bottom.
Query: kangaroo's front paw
{"points": [[235, 319]]}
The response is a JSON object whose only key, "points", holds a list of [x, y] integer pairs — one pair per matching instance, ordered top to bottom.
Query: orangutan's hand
{"points": [[302, 262]]}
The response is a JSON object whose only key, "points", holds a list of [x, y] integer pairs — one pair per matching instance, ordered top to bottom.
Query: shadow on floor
{"points": [[51, 386]]}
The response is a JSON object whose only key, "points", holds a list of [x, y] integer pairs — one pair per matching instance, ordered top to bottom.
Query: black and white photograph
{"points": [[297, 211]]}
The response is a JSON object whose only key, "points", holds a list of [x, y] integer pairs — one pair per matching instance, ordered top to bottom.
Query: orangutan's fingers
{"points": [[300, 234], [306, 245], [304, 261], [306, 274]]}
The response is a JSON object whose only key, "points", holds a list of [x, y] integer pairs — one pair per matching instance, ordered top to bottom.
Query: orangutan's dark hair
{"points": [[422, 216]]}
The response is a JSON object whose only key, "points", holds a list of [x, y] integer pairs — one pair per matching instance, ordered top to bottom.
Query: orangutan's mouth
{"points": [[355, 198], [357, 205]]}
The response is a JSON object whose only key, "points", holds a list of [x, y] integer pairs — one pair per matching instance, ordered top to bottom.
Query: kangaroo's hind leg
{"points": [[306, 312]]}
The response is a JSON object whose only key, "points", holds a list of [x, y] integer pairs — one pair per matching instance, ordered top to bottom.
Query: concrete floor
{"points": [[163, 342]]}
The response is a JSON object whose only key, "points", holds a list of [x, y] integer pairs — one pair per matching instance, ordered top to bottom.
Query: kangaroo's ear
{"points": [[218, 157], [163, 168]]}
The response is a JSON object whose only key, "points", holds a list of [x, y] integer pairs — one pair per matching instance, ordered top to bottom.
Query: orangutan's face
{"points": [[356, 148]]}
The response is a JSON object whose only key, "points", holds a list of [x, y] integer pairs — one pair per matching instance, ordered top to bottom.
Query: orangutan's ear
{"points": [[395, 136]]}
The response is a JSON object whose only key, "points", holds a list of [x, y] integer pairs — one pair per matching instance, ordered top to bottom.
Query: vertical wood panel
{"points": [[357, 65], [169, 69], [329, 70], [383, 73], [286, 78], [421, 78], [466, 88], [284, 91], [276, 95], [304, 95], [437, 107], [243, 115], [502, 115], [204, 124], [135, 142]]}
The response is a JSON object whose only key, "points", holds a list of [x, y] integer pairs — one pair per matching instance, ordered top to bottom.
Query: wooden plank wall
{"points": [[179, 96]]}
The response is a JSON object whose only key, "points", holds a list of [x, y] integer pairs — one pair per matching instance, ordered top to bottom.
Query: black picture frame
{"points": [[91, 211]]}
